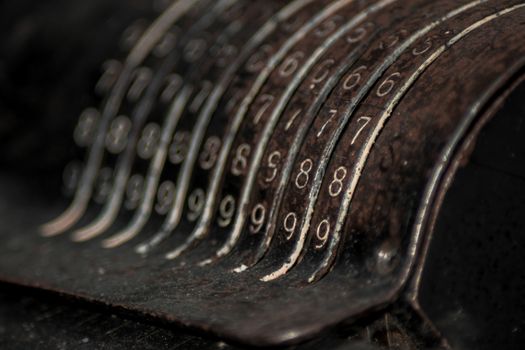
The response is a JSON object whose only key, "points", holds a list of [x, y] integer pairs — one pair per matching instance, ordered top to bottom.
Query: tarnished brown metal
{"points": [[267, 170]]}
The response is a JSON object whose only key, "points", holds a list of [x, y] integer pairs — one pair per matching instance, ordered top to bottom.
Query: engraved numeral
{"points": [[328, 26], [133, 33], [358, 34], [392, 40], [165, 45], [427, 45], [194, 50], [256, 62], [290, 64], [322, 72], [108, 78], [354, 78], [141, 79], [387, 85], [172, 86], [200, 97], [233, 101], [266, 101], [333, 113], [292, 119], [364, 120], [86, 128], [117, 136], [149, 141], [179, 147], [210, 152], [240, 161], [273, 161], [304, 174], [71, 176], [336, 186], [103, 187], [134, 190], [165, 197], [195, 204], [226, 211], [257, 217], [289, 223], [323, 229]]}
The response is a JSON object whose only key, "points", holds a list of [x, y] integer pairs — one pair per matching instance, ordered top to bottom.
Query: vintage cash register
{"points": [[223, 174]]}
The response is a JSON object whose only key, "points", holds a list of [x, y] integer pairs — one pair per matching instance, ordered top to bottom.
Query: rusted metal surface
{"points": [[264, 171]]}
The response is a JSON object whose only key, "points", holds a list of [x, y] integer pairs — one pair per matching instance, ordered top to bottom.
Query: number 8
{"points": [[304, 174], [336, 185]]}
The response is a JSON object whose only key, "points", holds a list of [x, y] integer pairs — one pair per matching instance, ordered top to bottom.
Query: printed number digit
{"points": [[328, 26], [358, 34], [165, 45], [427, 45], [194, 50], [256, 61], [290, 64], [322, 72], [108, 78], [354, 78], [141, 79], [387, 85], [171, 87], [199, 99], [266, 102], [332, 113], [292, 119], [364, 120], [86, 128], [117, 136], [148, 142], [179, 147], [210, 152], [240, 161], [273, 161], [304, 174], [71, 177], [103, 185], [336, 186], [134, 191], [165, 197], [195, 204], [226, 211], [257, 217], [290, 221], [322, 233]]}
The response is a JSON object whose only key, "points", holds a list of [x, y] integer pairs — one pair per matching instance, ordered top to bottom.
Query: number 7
{"points": [[366, 121]]}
